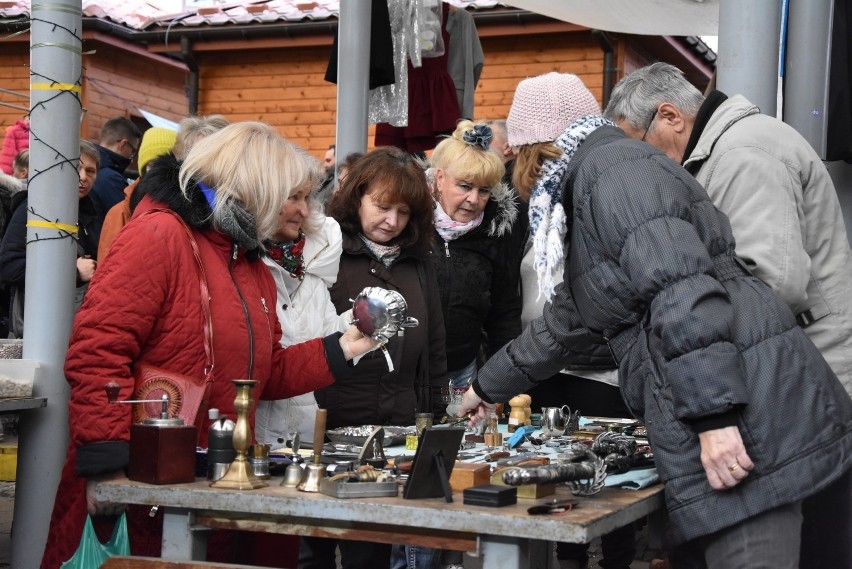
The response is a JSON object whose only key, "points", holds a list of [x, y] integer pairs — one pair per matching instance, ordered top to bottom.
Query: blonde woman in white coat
{"points": [[303, 260]]}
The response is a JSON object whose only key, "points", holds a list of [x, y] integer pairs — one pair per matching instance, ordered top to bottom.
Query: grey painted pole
{"points": [[748, 50], [808, 59], [353, 70], [55, 74]]}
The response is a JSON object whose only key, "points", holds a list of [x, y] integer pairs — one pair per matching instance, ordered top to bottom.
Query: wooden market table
{"points": [[505, 537]]}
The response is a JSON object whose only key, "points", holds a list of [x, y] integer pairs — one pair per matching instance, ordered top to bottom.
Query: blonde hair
{"points": [[192, 129], [466, 161], [528, 161], [249, 163]]}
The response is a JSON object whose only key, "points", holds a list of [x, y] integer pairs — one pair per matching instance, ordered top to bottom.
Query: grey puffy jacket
{"points": [[652, 269]]}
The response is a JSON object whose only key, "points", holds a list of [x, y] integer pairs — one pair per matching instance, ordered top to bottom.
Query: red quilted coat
{"points": [[144, 305]]}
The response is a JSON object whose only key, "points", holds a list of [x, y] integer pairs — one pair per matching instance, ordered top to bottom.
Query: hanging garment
{"points": [[381, 49], [465, 58], [390, 102], [433, 109]]}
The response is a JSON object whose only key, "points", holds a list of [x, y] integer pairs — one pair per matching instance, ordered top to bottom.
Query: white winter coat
{"points": [[305, 311]]}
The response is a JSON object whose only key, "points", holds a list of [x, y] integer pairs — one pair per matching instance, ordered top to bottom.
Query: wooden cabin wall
{"points": [[509, 60], [14, 76], [118, 83], [281, 87], [286, 87]]}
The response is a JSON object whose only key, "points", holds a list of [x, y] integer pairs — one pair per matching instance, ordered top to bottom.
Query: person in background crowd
{"points": [[537, 130], [190, 131], [15, 139], [156, 141], [500, 141], [118, 145], [21, 165], [344, 166], [326, 187], [10, 188], [229, 202], [384, 209], [787, 222], [13, 249], [745, 417]]}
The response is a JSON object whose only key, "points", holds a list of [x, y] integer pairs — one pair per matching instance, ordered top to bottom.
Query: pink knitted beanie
{"points": [[545, 105]]}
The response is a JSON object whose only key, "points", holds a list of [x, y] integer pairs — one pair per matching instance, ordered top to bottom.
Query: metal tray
{"points": [[394, 436], [338, 489]]}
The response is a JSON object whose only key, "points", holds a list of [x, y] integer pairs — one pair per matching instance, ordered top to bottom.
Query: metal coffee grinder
{"points": [[162, 449]]}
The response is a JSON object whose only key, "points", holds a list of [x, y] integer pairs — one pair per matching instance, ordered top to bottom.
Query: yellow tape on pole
{"points": [[51, 225]]}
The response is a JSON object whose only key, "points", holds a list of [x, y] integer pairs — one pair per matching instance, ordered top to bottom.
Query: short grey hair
{"points": [[637, 96], [192, 129]]}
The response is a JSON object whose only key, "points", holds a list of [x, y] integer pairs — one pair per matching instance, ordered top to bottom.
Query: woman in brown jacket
{"points": [[384, 208]]}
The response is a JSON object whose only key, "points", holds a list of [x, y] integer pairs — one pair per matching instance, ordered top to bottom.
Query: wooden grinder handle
{"points": [[319, 433]]}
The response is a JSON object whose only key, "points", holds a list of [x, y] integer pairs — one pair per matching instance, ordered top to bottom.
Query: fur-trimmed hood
{"points": [[160, 182], [504, 212]]}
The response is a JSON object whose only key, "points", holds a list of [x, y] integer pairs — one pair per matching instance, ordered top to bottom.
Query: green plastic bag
{"points": [[92, 553]]}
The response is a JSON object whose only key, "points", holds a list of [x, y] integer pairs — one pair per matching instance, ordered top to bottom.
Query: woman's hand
{"points": [[86, 268], [354, 343], [473, 403], [724, 457], [97, 508]]}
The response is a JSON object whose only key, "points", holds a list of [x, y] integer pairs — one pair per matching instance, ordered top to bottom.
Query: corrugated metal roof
{"points": [[141, 14]]}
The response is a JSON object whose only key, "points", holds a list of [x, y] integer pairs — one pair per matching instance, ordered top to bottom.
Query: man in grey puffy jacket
{"points": [[787, 222], [745, 417]]}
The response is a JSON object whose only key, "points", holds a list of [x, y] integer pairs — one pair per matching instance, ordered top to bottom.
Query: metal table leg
{"points": [[180, 539], [499, 552]]}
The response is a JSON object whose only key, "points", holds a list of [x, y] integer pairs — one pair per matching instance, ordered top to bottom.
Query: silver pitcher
{"points": [[556, 420]]}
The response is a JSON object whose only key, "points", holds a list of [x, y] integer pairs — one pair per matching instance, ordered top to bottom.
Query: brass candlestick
{"points": [[240, 475]]}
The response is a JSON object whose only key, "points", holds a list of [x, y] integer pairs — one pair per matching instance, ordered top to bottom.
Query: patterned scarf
{"points": [[548, 224], [449, 229], [385, 254], [288, 256]]}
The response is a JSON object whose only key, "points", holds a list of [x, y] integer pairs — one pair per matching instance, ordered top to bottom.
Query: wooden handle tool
{"points": [[319, 433]]}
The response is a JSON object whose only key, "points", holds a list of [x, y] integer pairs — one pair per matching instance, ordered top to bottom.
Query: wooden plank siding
{"points": [[14, 76], [115, 83], [118, 83], [286, 87]]}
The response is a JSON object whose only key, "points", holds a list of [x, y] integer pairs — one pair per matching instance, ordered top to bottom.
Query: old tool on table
{"points": [[496, 455], [524, 458], [585, 478]]}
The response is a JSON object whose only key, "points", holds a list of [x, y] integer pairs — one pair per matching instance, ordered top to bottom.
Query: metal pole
{"points": [[748, 50], [808, 58], [353, 75], [55, 79]]}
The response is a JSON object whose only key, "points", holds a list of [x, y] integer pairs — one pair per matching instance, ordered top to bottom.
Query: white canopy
{"points": [[651, 17]]}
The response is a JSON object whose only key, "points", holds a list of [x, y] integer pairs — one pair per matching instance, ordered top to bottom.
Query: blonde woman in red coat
{"points": [[144, 306]]}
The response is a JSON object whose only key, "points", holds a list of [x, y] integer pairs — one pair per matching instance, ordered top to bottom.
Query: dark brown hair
{"points": [[402, 179]]}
